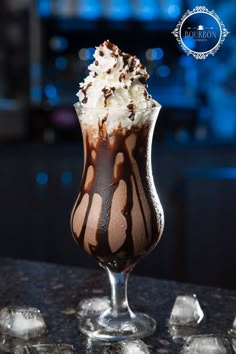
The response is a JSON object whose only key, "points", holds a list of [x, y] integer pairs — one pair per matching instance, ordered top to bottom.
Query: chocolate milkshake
{"points": [[117, 217]]}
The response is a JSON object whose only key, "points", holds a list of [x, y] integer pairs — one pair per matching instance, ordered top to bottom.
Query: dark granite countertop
{"points": [[56, 291]]}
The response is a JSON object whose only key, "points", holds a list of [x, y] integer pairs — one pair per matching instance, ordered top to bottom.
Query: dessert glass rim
{"points": [[78, 105]]}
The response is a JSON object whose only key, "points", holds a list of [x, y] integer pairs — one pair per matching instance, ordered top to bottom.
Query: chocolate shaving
{"points": [[110, 45], [101, 53], [126, 59], [96, 62], [132, 64], [108, 71], [122, 76], [142, 80], [125, 86], [131, 106], [131, 116]]}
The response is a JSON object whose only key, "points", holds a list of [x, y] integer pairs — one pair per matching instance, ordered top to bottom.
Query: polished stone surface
{"points": [[56, 290]]}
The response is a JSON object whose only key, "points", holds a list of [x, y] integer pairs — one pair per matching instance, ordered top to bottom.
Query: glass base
{"points": [[107, 327]]}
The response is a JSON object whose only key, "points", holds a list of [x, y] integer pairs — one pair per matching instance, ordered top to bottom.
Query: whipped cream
{"points": [[116, 81]]}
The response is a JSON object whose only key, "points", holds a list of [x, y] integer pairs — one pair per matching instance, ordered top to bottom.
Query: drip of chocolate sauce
{"points": [[84, 91], [107, 93], [105, 184]]}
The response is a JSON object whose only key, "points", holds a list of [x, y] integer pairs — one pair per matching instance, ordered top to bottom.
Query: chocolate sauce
{"points": [[84, 91], [107, 93], [105, 184]]}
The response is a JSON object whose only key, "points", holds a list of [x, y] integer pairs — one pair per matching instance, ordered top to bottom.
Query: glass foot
{"points": [[111, 328]]}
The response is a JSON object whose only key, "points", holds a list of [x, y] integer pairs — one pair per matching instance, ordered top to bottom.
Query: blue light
{"points": [[43, 8], [90, 10], [118, 10], [146, 10], [173, 10], [189, 42], [58, 43], [89, 53], [157, 53], [187, 61], [61, 63], [36, 70], [164, 71], [51, 91], [36, 94], [7, 104], [223, 125], [212, 173], [66, 177], [42, 178]]}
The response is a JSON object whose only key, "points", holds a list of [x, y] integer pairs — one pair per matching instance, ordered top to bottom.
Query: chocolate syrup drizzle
{"points": [[84, 91], [105, 184]]}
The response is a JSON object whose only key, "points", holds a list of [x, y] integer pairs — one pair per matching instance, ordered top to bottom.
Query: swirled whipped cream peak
{"points": [[116, 81]]}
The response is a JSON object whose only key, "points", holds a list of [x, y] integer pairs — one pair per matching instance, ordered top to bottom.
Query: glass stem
{"points": [[119, 301]]}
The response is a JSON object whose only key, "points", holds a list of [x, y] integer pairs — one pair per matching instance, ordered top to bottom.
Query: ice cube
{"points": [[93, 306], [186, 311], [22, 322], [233, 330], [179, 334], [209, 344], [234, 344], [135, 346], [123, 347], [46, 349]]}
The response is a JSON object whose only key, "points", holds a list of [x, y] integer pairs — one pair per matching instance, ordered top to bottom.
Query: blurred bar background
{"points": [[45, 49]]}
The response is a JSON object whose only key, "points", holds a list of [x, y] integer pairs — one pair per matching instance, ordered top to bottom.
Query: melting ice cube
{"points": [[93, 306], [186, 311], [22, 322], [209, 344]]}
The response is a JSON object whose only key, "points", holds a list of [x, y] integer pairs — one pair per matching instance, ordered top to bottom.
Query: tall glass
{"points": [[117, 217]]}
